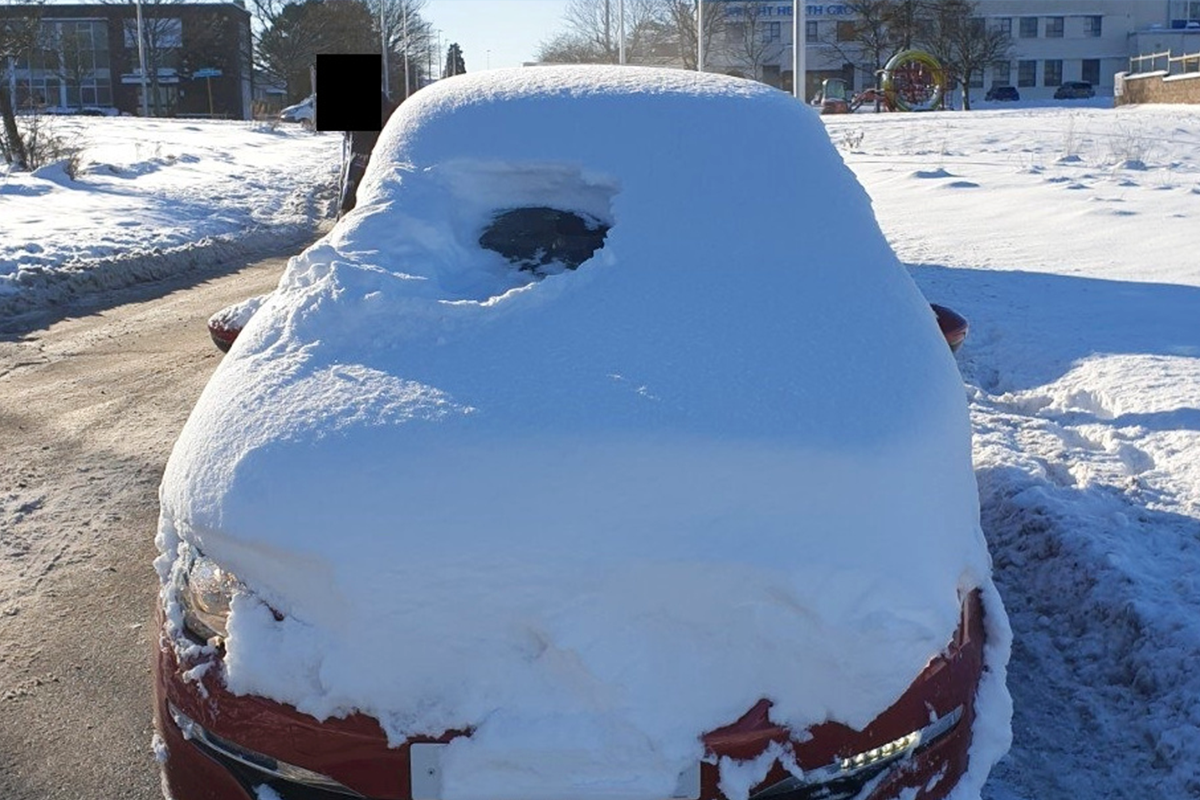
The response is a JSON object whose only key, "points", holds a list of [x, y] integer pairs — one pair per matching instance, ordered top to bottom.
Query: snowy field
{"points": [[153, 198], [1068, 237]]}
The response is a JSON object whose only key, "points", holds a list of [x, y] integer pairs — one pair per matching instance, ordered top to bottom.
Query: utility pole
{"points": [[621, 31], [700, 35], [404, 51], [142, 61]]}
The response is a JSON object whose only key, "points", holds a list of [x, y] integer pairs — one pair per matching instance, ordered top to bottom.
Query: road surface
{"points": [[89, 409]]}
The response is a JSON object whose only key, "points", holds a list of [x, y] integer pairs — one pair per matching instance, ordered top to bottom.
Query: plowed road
{"points": [[89, 408]]}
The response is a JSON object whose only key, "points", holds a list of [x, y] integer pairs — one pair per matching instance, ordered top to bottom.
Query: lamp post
{"points": [[621, 31], [700, 35], [799, 43], [404, 52], [142, 61], [387, 89]]}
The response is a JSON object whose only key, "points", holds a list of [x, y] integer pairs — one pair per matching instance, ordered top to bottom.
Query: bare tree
{"points": [[680, 16], [909, 23], [592, 33], [18, 34], [408, 39], [867, 39], [161, 40], [751, 40], [964, 43], [289, 48], [76, 58]]}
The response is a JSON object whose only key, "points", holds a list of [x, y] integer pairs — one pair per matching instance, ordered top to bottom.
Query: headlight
{"points": [[206, 595]]}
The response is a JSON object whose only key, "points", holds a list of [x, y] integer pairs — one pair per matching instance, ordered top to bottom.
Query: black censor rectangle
{"points": [[348, 91]]}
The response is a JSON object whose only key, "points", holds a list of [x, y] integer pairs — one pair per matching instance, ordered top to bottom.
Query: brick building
{"points": [[197, 59]]}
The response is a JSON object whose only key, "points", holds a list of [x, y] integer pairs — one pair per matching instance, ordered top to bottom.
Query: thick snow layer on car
{"points": [[595, 515]]}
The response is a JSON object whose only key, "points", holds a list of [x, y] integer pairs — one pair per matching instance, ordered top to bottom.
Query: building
{"points": [[1053, 41], [197, 59]]}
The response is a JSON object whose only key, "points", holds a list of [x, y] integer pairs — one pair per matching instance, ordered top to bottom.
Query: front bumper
{"points": [[221, 746]]}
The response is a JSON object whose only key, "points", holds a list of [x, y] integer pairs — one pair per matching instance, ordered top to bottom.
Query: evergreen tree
{"points": [[454, 61]]}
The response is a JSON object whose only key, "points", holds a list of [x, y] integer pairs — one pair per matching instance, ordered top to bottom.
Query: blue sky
{"points": [[495, 33]]}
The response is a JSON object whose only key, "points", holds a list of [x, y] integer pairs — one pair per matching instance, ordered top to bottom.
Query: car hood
{"points": [[603, 512]]}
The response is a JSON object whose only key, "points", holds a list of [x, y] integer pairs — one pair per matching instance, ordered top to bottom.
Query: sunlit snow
{"points": [[1080, 277]]}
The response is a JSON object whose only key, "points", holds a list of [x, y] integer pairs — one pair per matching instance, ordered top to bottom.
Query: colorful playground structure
{"points": [[912, 80]]}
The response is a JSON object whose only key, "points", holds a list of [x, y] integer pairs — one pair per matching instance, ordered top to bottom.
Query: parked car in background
{"points": [[1074, 90], [1002, 93], [304, 112], [522, 483]]}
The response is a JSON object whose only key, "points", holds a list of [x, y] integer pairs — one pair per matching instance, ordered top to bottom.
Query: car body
{"points": [[1074, 90], [1002, 93], [304, 112], [225, 325], [523, 484]]}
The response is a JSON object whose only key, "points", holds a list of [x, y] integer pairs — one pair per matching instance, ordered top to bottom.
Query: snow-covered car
{"points": [[304, 112], [225, 325], [557, 469]]}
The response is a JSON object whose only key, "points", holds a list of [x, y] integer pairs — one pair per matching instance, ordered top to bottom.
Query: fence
{"points": [[1172, 65], [1159, 78]]}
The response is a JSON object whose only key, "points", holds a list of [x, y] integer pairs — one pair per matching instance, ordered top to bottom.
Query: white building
{"points": [[1053, 41]]}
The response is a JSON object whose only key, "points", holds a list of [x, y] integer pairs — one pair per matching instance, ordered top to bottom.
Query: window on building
{"points": [[1184, 11], [1004, 25], [1092, 26], [1029, 27], [1054, 27], [735, 31], [772, 31], [811, 31], [846, 31], [158, 33], [1090, 71], [1052, 72], [1001, 73], [1026, 73], [976, 81]]}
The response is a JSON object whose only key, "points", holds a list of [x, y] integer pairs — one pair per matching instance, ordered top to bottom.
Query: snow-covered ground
{"points": [[153, 198], [1066, 234], [1068, 237]]}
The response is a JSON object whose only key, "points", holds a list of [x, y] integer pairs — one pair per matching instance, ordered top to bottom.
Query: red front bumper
{"points": [[238, 743]]}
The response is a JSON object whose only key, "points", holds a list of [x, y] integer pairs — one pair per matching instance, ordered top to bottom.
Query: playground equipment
{"points": [[912, 80]]}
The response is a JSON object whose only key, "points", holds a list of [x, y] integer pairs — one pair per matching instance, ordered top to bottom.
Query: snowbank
{"points": [[154, 198]]}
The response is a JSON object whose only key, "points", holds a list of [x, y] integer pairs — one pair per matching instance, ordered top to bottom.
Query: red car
{"points": [[553, 471], [224, 747]]}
